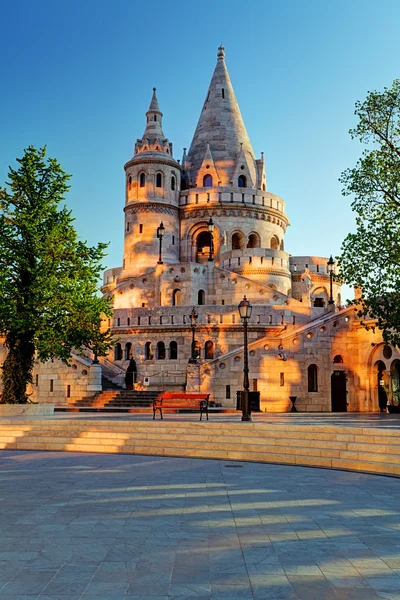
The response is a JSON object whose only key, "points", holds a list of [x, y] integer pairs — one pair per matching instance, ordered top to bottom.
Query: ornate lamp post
{"points": [[210, 228], [160, 233], [331, 268], [245, 309], [193, 319]]}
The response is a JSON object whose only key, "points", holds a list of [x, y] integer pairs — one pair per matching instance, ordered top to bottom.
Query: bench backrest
{"points": [[183, 396]]}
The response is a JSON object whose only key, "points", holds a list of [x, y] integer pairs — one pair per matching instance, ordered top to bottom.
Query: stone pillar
{"points": [[193, 378], [94, 384]]}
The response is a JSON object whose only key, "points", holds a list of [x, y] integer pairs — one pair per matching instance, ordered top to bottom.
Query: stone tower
{"points": [[225, 181], [152, 196]]}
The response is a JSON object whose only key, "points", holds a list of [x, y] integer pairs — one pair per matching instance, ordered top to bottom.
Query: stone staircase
{"points": [[114, 399], [369, 449]]}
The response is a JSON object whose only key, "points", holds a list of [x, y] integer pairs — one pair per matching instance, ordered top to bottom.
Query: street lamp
{"points": [[210, 228], [160, 233], [331, 268], [245, 309], [193, 319]]}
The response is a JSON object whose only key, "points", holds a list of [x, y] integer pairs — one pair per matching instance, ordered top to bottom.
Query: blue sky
{"points": [[78, 75]]}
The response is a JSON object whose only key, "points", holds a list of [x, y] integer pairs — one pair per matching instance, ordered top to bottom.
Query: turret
{"points": [[153, 180], [225, 181]]}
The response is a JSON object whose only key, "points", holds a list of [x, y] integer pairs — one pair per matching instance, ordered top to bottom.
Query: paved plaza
{"points": [[85, 526]]}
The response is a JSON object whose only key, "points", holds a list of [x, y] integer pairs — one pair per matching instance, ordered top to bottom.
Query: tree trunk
{"points": [[17, 368]]}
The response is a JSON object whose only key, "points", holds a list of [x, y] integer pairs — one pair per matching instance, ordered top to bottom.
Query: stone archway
{"points": [[192, 242]]}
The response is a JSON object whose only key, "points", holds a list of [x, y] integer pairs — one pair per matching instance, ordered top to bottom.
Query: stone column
{"points": [[94, 384]]}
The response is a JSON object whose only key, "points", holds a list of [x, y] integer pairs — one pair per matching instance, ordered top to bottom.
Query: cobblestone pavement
{"points": [[85, 526]]}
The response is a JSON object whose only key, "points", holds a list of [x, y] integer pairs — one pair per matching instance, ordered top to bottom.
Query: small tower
{"points": [[153, 179]]}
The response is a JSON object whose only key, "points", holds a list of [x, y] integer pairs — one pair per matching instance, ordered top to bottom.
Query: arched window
{"points": [[142, 179], [158, 180], [207, 181], [242, 181], [129, 182], [173, 182], [263, 187], [237, 241], [253, 241], [275, 242], [176, 297], [201, 297], [209, 349], [160, 350], [128, 351], [148, 351], [173, 351], [117, 352], [338, 359], [313, 378]]}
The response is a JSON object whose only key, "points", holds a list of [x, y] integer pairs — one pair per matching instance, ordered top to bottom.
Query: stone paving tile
{"points": [[144, 528]]}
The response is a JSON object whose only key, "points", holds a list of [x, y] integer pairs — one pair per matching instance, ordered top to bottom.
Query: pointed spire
{"points": [[154, 102], [221, 125], [153, 138]]}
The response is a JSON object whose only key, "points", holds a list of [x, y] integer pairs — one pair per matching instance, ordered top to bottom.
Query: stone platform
{"points": [[357, 442], [112, 527]]}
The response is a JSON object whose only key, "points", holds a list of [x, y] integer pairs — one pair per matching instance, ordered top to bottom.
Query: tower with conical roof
{"points": [[222, 179], [152, 197]]}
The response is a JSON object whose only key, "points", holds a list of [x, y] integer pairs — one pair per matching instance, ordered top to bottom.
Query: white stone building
{"points": [[299, 344]]}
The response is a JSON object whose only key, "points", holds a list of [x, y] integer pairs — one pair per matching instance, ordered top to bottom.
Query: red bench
{"points": [[181, 400]]}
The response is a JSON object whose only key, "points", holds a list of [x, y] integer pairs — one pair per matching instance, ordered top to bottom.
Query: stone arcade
{"points": [[300, 344]]}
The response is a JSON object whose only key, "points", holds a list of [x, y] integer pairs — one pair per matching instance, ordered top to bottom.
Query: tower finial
{"points": [[221, 52]]}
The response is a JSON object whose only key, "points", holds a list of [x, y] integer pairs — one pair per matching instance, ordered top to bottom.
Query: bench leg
{"points": [[154, 413], [161, 413], [201, 415]]}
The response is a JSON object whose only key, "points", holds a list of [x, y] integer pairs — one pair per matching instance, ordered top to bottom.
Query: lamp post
{"points": [[210, 228], [160, 233], [331, 267], [245, 309], [193, 319]]}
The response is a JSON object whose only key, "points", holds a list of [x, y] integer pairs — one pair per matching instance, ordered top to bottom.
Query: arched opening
{"points": [[142, 179], [159, 180], [207, 181], [242, 181], [129, 182], [173, 182], [263, 187], [203, 241], [237, 241], [253, 241], [274, 242], [282, 245], [176, 297], [201, 297], [319, 297], [209, 349], [128, 351], [148, 351], [160, 351], [173, 351], [118, 352], [338, 359], [312, 373], [131, 374], [395, 374], [383, 386], [339, 391]]}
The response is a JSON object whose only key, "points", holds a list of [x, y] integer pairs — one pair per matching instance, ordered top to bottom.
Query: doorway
{"points": [[339, 391]]}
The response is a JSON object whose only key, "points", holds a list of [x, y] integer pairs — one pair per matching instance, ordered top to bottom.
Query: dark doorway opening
{"points": [[131, 374], [339, 391]]}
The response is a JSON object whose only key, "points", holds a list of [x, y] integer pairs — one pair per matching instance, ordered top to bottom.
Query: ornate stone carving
{"points": [[153, 207]]}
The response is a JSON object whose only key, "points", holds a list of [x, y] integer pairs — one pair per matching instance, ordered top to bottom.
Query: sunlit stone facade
{"points": [[300, 345]]}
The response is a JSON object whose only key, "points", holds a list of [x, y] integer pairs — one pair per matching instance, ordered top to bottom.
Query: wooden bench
{"points": [[181, 400]]}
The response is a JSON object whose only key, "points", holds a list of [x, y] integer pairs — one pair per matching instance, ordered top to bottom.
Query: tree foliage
{"points": [[370, 257], [49, 303]]}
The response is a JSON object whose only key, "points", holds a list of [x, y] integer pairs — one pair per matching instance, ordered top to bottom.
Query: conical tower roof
{"points": [[221, 126], [153, 139]]}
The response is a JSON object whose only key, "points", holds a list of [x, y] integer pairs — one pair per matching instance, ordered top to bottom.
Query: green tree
{"points": [[370, 257], [49, 302]]}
